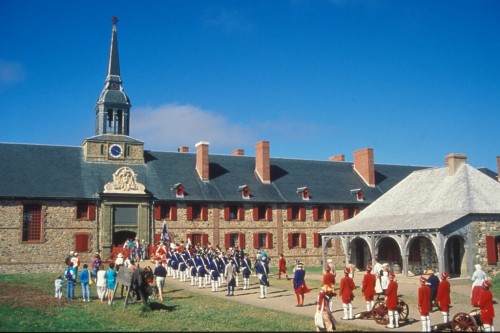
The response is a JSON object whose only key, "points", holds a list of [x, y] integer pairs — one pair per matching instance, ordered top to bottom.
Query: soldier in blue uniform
{"points": [[246, 270], [213, 271], [262, 273]]}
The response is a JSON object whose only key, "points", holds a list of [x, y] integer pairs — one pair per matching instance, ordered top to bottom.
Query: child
{"points": [[85, 279], [58, 283]]}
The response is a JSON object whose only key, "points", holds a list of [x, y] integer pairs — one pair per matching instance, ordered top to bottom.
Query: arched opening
{"points": [[120, 237], [389, 252], [359, 253], [421, 255], [454, 255]]}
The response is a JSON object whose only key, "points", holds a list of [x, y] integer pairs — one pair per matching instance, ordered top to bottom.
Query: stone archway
{"points": [[389, 252], [359, 253], [421, 255], [454, 256]]}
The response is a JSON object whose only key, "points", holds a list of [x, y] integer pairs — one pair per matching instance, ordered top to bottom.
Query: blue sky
{"points": [[414, 80]]}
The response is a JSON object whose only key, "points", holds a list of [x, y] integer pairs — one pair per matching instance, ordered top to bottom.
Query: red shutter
{"points": [[91, 212], [157, 212], [173, 212], [189, 213], [204, 213], [226, 213], [255, 213], [302, 213], [346, 213], [241, 214], [269, 214], [315, 214], [327, 214], [289, 216], [204, 239], [316, 239], [290, 240], [303, 240], [227, 241], [241, 241], [255, 241], [269, 241], [81, 242], [491, 252]]}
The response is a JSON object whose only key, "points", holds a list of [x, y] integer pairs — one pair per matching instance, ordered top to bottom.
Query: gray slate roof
{"points": [[60, 172], [426, 199]]}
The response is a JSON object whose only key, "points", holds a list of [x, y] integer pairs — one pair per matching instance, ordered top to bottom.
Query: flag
{"points": [[164, 233]]}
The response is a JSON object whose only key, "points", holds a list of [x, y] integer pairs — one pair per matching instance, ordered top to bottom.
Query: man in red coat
{"points": [[282, 267], [368, 287], [346, 293], [443, 297], [391, 301], [424, 304], [486, 305]]}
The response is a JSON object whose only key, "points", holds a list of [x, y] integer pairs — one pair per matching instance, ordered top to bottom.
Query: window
{"points": [[179, 190], [245, 191], [304, 192], [85, 211], [165, 211], [197, 212], [234, 212], [350, 212], [262, 213], [296, 213], [321, 213], [125, 215], [32, 223], [201, 239], [233, 239], [262, 240], [296, 240], [318, 241], [82, 242], [492, 249]]}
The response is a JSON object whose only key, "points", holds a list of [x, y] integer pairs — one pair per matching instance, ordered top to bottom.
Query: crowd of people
{"points": [[205, 266]]}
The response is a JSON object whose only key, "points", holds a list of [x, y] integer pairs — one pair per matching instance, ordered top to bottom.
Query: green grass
{"points": [[27, 304]]}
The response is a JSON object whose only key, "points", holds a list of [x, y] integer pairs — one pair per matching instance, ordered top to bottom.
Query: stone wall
{"points": [[481, 229]]}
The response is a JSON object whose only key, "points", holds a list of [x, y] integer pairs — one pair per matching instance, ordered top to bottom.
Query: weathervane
{"points": [[114, 19]]}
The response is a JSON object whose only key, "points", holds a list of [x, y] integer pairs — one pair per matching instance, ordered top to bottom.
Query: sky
{"points": [[414, 80]]}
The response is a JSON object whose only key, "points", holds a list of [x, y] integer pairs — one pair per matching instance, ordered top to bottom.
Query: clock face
{"points": [[115, 151]]}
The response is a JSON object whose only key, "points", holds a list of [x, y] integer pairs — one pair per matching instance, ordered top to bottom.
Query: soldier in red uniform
{"points": [[282, 267], [329, 280], [368, 287], [346, 293], [443, 297], [391, 301], [424, 304], [486, 305]]}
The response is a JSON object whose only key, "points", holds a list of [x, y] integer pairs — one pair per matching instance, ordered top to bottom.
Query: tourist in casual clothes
{"points": [[76, 262], [96, 262], [160, 274], [70, 276], [478, 277], [111, 279], [84, 280], [101, 283], [58, 284], [299, 284], [368, 287], [346, 293], [443, 297], [324, 300], [391, 301], [424, 304], [486, 305]]}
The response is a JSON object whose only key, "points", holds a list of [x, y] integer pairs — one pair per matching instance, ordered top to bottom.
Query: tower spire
{"points": [[113, 106]]}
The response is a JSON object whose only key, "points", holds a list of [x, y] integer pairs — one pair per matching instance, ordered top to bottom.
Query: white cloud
{"points": [[11, 72], [170, 126]]}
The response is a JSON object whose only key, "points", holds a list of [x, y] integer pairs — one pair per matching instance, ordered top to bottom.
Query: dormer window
{"points": [[179, 190], [245, 191], [304, 192], [359, 194]]}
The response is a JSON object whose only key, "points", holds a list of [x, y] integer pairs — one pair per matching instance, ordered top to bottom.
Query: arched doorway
{"points": [[120, 237], [389, 252], [359, 253], [421, 255], [454, 255]]}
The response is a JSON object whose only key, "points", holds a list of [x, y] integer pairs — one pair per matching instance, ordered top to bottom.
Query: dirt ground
{"points": [[281, 297]]}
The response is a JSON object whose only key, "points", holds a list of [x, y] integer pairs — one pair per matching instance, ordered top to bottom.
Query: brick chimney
{"points": [[183, 149], [238, 152], [337, 158], [202, 160], [262, 161], [454, 162], [364, 165], [498, 168]]}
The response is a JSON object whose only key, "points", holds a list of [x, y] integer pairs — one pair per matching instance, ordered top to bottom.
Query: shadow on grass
{"points": [[155, 306]]}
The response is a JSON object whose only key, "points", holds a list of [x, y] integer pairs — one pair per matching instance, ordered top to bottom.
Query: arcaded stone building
{"points": [[92, 197]]}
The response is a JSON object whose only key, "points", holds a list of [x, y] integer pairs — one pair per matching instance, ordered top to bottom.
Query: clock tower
{"points": [[112, 142]]}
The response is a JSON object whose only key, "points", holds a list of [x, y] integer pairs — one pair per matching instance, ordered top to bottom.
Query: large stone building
{"points": [[92, 197]]}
